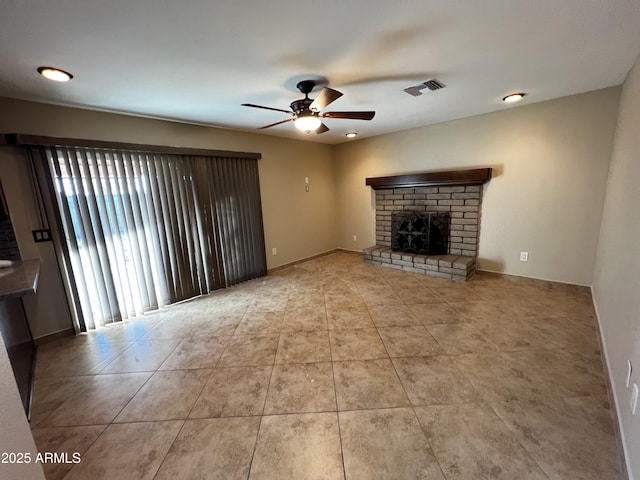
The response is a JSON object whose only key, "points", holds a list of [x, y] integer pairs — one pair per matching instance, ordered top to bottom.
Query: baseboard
{"points": [[349, 250], [302, 260], [565, 286], [583, 289], [54, 336], [613, 400]]}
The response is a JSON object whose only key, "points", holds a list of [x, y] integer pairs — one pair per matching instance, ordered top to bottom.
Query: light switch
{"points": [[41, 235]]}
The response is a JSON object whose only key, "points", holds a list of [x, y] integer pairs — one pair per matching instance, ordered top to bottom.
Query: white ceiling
{"points": [[196, 61]]}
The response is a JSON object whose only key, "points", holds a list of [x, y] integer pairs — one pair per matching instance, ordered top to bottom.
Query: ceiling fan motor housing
{"points": [[301, 107]]}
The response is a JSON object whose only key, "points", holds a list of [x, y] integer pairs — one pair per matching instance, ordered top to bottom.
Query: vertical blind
{"points": [[144, 230]]}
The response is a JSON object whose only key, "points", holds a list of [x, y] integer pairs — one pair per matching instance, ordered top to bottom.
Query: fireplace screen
{"points": [[420, 233]]}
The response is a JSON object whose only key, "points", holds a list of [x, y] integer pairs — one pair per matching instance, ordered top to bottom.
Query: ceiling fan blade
{"points": [[325, 97], [267, 108], [350, 115], [277, 123], [322, 128]]}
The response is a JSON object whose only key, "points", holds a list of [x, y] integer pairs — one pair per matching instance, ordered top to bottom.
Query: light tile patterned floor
{"points": [[333, 369]]}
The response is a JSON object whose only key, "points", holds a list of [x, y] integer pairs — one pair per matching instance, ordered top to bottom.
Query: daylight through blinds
{"points": [[144, 230]]}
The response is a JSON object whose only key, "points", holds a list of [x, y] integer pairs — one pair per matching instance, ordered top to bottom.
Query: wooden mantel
{"points": [[475, 176]]}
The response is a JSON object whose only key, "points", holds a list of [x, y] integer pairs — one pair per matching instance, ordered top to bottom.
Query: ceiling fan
{"points": [[306, 112]]}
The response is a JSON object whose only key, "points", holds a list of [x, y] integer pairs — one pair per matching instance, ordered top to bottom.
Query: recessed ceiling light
{"points": [[55, 74], [513, 97], [351, 135]]}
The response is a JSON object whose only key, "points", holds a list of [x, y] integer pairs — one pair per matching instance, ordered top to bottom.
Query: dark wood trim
{"points": [[19, 139], [475, 176]]}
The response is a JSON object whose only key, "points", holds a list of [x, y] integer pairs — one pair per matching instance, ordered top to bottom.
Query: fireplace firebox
{"points": [[419, 232]]}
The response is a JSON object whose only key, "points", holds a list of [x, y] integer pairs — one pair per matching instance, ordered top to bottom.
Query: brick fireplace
{"points": [[456, 193]]}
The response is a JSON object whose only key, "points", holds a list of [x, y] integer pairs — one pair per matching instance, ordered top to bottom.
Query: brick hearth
{"points": [[451, 267]]}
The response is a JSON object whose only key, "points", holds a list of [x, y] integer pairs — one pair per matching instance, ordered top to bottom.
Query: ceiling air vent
{"points": [[432, 84]]}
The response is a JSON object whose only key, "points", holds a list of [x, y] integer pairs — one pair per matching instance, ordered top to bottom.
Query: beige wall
{"points": [[550, 163], [297, 223], [616, 284], [48, 311]]}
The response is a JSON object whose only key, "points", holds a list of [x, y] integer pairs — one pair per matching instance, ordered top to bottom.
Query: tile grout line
{"points": [[335, 393], [134, 395], [264, 403], [413, 410], [262, 416], [515, 437], [90, 445], [164, 459]]}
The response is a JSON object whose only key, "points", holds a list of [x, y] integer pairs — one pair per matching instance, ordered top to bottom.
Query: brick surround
{"points": [[462, 203]]}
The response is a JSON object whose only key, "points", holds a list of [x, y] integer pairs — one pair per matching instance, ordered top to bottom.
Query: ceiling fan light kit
{"points": [[306, 113], [307, 123]]}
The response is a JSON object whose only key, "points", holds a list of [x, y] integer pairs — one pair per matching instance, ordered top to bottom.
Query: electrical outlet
{"points": [[306, 180], [355, 238], [274, 251], [524, 256], [629, 370], [634, 399]]}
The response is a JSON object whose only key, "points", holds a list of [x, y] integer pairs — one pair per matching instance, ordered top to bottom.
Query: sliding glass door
{"points": [[143, 230]]}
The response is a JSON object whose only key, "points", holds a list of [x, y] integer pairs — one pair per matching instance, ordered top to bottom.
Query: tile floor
{"points": [[333, 369]]}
